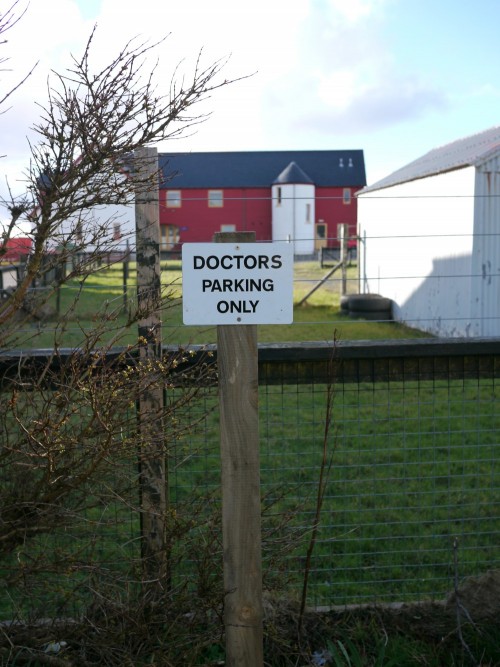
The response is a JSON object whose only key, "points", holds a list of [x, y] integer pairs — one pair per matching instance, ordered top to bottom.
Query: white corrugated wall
{"points": [[416, 249], [486, 252]]}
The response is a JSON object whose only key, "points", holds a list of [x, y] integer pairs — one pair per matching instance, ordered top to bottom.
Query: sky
{"points": [[395, 78]]}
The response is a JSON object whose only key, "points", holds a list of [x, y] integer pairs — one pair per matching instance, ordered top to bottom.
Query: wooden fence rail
{"points": [[356, 361]]}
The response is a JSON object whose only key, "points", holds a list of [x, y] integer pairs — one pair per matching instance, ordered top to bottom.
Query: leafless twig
{"points": [[326, 464]]}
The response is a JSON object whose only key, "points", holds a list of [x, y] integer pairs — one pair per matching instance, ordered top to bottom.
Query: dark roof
{"points": [[464, 152], [260, 169], [293, 174]]}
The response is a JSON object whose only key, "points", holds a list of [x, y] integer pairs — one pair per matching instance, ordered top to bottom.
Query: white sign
{"points": [[237, 283]]}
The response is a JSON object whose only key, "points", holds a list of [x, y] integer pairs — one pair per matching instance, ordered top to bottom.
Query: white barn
{"points": [[430, 238]]}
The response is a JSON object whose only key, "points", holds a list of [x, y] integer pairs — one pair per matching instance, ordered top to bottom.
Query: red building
{"points": [[301, 196], [16, 249]]}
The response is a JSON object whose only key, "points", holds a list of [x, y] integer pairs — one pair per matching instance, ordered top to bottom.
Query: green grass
{"points": [[100, 301], [401, 452], [413, 470]]}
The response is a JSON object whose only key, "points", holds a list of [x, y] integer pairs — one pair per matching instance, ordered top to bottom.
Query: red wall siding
{"points": [[331, 209], [249, 210], [16, 248]]}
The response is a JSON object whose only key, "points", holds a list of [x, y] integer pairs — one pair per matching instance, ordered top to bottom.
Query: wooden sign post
{"points": [[238, 285], [237, 360], [239, 440]]}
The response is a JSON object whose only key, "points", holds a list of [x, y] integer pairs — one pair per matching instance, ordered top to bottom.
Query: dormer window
{"points": [[341, 162], [350, 163]]}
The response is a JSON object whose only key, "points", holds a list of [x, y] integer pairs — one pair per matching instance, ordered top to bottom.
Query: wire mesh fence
{"points": [[413, 483], [412, 493], [412, 498]]}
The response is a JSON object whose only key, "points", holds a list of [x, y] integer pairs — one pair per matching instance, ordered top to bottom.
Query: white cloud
{"points": [[355, 10], [44, 36], [296, 48], [321, 66], [348, 82], [338, 89], [369, 109]]}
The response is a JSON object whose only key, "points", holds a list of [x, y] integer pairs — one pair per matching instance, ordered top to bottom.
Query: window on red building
{"points": [[173, 198], [346, 198], [215, 199]]}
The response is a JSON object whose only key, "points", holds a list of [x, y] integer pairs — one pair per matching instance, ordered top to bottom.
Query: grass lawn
{"points": [[101, 300], [413, 470], [413, 483]]}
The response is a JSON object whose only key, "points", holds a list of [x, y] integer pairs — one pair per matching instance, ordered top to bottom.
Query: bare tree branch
{"points": [[8, 20], [89, 131]]}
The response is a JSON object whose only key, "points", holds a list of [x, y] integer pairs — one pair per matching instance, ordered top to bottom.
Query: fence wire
{"points": [[414, 483], [411, 502]]}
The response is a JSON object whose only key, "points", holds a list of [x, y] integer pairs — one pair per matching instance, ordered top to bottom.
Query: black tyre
{"points": [[344, 303], [369, 303]]}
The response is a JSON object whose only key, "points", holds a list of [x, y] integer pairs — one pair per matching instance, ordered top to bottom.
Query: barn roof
{"points": [[469, 151], [260, 169]]}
